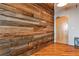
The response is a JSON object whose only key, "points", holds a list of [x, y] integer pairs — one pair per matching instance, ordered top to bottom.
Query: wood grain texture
{"points": [[23, 28], [57, 49]]}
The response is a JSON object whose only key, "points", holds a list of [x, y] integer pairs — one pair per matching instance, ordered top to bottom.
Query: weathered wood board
{"points": [[24, 28]]}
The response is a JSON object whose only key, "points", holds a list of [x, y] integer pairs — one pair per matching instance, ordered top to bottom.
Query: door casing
{"points": [[62, 29]]}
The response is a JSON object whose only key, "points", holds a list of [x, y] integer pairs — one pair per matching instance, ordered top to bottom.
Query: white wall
{"points": [[73, 23]]}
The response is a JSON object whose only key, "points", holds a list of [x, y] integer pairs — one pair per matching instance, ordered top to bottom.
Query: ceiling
{"points": [[69, 6]]}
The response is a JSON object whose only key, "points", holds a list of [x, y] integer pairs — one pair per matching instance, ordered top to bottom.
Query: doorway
{"points": [[62, 29]]}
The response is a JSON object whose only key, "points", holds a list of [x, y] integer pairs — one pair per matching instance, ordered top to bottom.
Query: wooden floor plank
{"points": [[58, 50]]}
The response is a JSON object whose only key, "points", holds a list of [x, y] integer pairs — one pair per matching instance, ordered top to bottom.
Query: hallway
{"points": [[58, 50]]}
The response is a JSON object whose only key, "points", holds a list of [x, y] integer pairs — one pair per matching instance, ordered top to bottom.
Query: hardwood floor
{"points": [[58, 50]]}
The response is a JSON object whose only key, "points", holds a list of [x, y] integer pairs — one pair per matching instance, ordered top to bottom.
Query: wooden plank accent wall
{"points": [[24, 28]]}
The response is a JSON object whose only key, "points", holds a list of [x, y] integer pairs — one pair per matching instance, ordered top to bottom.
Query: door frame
{"points": [[67, 29]]}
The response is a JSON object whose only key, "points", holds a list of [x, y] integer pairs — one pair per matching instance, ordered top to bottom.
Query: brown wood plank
{"points": [[24, 27]]}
